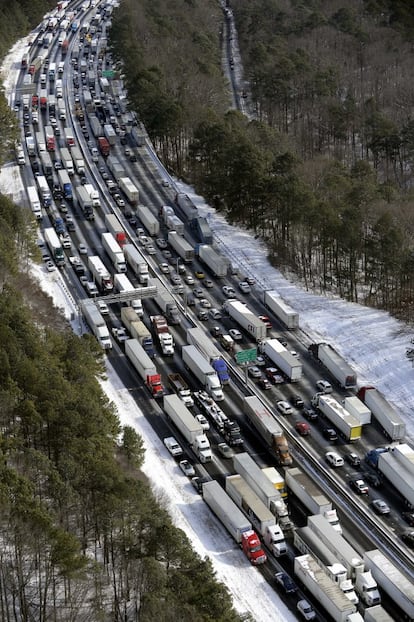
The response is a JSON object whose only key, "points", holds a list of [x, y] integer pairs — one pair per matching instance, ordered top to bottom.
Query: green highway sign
{"points": [[109, 73], [246, 356]]}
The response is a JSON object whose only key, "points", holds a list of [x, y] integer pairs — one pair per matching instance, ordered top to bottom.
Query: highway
{"points": [[362, 527]]}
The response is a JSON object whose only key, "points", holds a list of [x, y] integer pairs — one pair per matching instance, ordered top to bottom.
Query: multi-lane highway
{"points": [[361, 525]]}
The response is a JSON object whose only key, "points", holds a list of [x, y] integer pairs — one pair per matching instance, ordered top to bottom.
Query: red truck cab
{"points": [[103, 146], [154, 384], [252, 548]]}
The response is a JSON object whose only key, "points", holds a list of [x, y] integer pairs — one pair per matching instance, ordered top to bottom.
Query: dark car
{"points": [[215, 331], [264, 384], [297, 401], [310, 414], [330, 434], [353, 459], [372, 479], [198, 482], [408, 517], [408, 538], [288, 585]]}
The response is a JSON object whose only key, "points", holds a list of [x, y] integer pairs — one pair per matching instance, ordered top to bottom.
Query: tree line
{"points": [[324, 174]]}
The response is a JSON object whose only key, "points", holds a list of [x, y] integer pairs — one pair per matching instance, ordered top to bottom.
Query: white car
{"points": [[66, 242], [82, 249], [50, 266], [165, 268], [189, 279], [244, 287], [228, 291], [204, 303], [103, 307], [215, 314], [235, 334], [254, 372], [324, 386], [284, 407], [203, 422], [172, 446], [334, 459], [187, 468], [305, 609]]}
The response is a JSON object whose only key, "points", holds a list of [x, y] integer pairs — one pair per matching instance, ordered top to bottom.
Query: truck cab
{"points": [[252, 547]]}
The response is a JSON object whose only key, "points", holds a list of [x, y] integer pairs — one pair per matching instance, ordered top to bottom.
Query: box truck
{"points": [[114, 251], [218, 264], [284, 313], [241, 314], [96, 323], [282, 358], [335, 364], [145, 367], [385, 415], [189, 427], [268, 428]]}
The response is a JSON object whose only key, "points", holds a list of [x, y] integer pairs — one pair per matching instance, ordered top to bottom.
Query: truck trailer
{"points": [[109, 134], [78, 160], [67, 161], [116, 167], [129, 189], [34, 202], [85, 202], [149, 220], [175, 224], [114, 226], [55, 246], [181, 246], [114, 251], [137, 263], [218, 264], [100, 274], [123, 285], [165, 301], [284, 313], [241, 314], [96, 323], [140, 332], [197, 337], [282, 358], [335, 364], [145, 367], [203, 371], [358, 409], [386, 416], [188, 426], [349, 427], [268, 428], [396, 464], [245, 466], [311, 496], [262, 519], [234, 521], [398, 587], [327, 593]]}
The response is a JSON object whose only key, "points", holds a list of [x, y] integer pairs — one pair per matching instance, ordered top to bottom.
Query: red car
{"points": [[266, 321], [274, 375], [302, 428]]}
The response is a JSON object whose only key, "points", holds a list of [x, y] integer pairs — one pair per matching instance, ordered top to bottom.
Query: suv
{"points": [[324, 386], [284, 407], [310, 414], [172, 446], [353, 459]]}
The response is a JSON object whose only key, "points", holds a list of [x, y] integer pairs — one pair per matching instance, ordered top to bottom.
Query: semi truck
{"points": [[96, 126], [109, 134], [69, 139], [30, 146], [103, 146], [78, 160], [67, 161], [47, 166], [116, 167], [65, 184], [129, 189], [44, 190], [94, 194], [34, 202], [85, 202], [186, 206], [149, 220], [175, 224], [114, 226], [55, 246], [181, 246], [114, 251], [137, 263], [218, 264], [100, 274], [123, 285], [165, 301], [284, 313], [245, 318], [96, 323], [140, 332], [162, 334], [197, 337], [282, 358], [335, 364], [145, 367], [202, 370], [181, 388], [357, 409], [385, 415], [188, 426], [349, 427], [268, 428], [396, 464], [245, 466], [277, 480], [311, 496], [262, 519], [234, 521], [306, 541], [346, 555], [398, 587], [327, 593]]}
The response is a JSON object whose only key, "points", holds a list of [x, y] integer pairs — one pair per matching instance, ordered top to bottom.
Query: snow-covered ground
{"points": [[372, 341]]}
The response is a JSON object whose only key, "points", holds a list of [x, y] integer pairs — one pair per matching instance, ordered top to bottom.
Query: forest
{"points": [[324, 172], [83, 537]]}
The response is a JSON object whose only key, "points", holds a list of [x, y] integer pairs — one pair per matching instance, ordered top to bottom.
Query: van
{"points": [[227, 342]]}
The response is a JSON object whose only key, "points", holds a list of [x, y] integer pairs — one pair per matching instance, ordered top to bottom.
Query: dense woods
{"points": [[324, 174]]}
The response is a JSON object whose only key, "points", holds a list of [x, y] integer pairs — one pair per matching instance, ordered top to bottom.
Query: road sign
{"points": [[108, 73], [246, 356]]}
